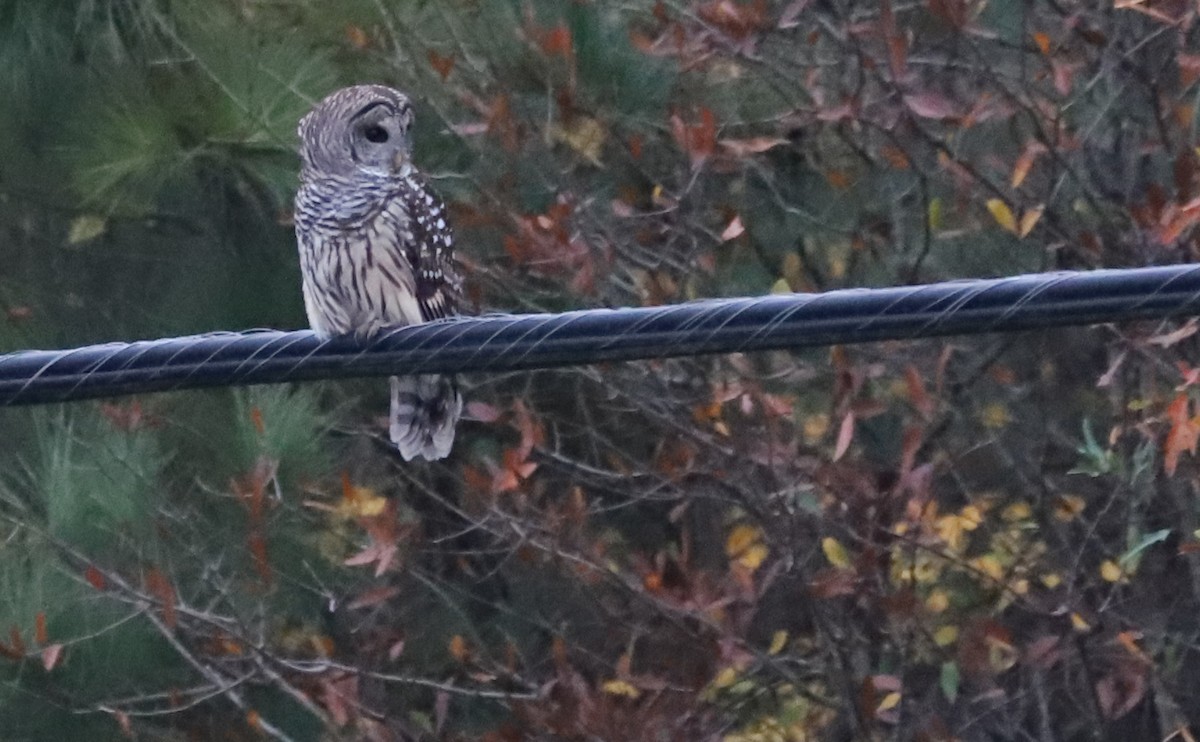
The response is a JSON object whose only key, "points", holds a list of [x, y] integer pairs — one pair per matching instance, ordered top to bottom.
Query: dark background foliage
{"points": [[972, 539]]}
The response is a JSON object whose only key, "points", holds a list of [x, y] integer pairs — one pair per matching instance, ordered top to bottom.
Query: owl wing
{"points": [[436, 281]]}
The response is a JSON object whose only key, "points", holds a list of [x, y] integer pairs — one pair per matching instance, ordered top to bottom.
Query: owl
{"points": [[375, 248]]}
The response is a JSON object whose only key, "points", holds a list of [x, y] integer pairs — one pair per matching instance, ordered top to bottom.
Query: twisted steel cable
{"points": [[504, 342]]}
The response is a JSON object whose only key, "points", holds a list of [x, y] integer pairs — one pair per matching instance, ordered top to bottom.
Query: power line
{"points": [[511, 342]]}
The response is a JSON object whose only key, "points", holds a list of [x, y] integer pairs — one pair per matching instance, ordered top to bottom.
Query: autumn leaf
{"points": [[443, 65], [931, 105], [583, 134], [698, 140], [1024, 162], [1002, 214], [1029, 220], [86, 227], [733, 230], [1183, 434], [845, 436], [744, 546], [835, 553], [94, 577], [158, 585], [41, 636], [459, 649], [51, 656], [620, 688]]}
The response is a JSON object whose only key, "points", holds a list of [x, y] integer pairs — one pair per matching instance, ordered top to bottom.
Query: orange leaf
{"points": [[357, 37], [1043, 43], [1025, 162], [1029, 220], [918, 397], [256, 417], [1183, 434], [41, 636], [459, 649], [51, 655]]}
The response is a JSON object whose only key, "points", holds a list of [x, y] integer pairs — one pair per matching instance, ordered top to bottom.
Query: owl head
{"points": [[362, 129]]}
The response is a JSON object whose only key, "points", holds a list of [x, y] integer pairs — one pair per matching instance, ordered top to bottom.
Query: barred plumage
{"points": [[375, 246]]}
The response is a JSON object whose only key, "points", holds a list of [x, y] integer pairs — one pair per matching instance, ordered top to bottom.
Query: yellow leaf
{"points": [[585, 135], [935, 214], [1002, 214], [1029, 220], [86, 227], [781, 286], [995, 416], [816, 426], [361, 502], [1016, 512], [742, 537], [835, 552], [753, 557], [989, 565], [1110, 571], [1051, 580], [937, 601], [1079, 623], [945, 636], [778, 642], [725, 678], [620, 688], [890, 701]]}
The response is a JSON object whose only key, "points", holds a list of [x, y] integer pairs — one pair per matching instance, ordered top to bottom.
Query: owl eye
{"points": [[375, 133]]}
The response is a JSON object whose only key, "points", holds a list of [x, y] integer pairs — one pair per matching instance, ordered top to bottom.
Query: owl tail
{"points": [[425, 410]]}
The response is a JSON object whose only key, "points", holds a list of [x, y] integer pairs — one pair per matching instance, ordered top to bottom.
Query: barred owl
{"points": [[375, 248]]}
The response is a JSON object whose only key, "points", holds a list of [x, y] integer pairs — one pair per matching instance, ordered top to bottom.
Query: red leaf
{"points": [[953, 12], [556, 41], [443, 65], [698, 140], [94, 577], [160, 587], [51, 655]]}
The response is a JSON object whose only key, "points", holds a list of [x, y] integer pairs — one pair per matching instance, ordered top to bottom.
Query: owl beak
{"points": [[399, 161]]}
